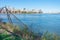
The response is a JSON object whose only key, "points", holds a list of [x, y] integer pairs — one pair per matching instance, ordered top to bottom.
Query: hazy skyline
{"points": [[45, 5]]}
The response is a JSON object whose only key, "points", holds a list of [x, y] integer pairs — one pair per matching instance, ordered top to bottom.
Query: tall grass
{"points": [[25, 34]]}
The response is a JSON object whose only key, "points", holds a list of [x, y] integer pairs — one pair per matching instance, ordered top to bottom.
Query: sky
{"points": [[45, 5]]}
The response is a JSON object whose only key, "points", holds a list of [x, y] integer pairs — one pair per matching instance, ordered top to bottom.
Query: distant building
{"points": [[13, 10], [40, 11]]}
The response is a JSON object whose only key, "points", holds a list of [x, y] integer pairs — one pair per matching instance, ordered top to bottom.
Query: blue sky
{"points": [[45, 5]]}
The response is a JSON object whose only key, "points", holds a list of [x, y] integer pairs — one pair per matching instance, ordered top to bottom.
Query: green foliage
{"points": [[25, 34], [4, 36], [49, 36]]}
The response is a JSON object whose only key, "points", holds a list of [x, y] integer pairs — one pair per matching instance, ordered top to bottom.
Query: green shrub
{"points": [[49, 36]]}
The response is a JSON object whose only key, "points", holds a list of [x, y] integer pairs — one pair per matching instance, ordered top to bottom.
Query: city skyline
{"points": [[44, 5], [24, 10]]}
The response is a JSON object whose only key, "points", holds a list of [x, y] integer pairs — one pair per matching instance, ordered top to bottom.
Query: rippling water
{"points": [[38, 22]]}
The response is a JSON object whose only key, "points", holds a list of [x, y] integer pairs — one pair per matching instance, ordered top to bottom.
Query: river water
{"points": [[38, 22]]}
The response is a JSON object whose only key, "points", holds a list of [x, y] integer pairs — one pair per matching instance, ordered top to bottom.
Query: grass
{"points": [[24, 34], [49, 36]]}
